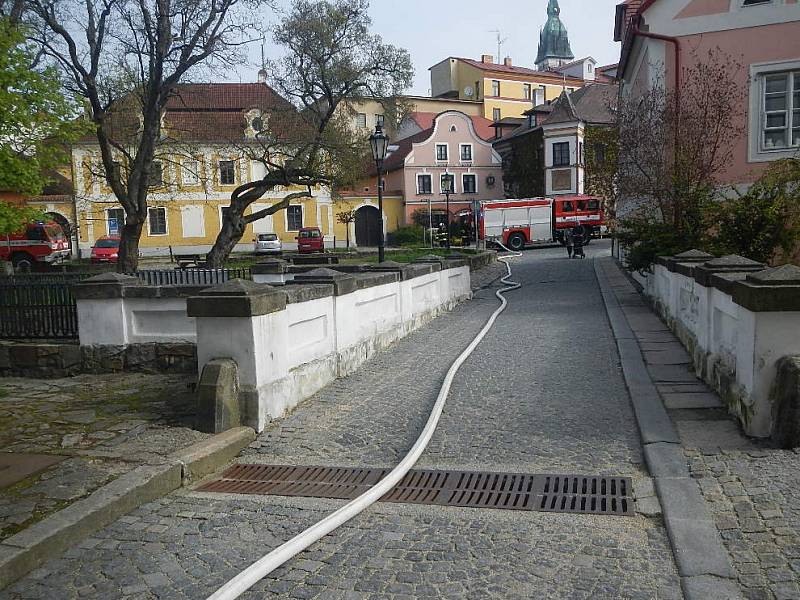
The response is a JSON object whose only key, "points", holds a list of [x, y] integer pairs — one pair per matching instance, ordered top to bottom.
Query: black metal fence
{"points": [[41, 305]]}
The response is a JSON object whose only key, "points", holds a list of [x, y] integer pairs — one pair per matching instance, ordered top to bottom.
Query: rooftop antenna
{"points": [[500, 41]]}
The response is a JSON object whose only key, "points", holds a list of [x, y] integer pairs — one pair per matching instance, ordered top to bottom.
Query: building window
{"points": [[752, 2], [495, 88], [526, 91], [541, 95], [781, 111], [496, 115], [361, 120], [379, 120], [441, 151], [466, 152], [561, 154], [600, 154], [190, 172], [227, 172], [156, 177], [444, 177], [470, 183], [424, 185], [294, 217], [115, 219], [157, 219]]}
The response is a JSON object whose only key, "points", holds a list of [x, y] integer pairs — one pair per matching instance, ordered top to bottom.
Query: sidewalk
{"points": [[63, 439], [752, 490]]}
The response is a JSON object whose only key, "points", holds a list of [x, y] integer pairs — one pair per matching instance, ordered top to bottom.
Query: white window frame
{"points": [[495, 88], [527, 91], [497, 114], [756, 119], [357, 120], [436, 152], [471, 153], [189, 177], [455, 179], [419, 187], [464, 187], [286, 218], [166, 222], [119, 225]]}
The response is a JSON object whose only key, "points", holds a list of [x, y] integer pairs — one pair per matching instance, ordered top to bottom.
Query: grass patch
{"points": [[3, 393]]}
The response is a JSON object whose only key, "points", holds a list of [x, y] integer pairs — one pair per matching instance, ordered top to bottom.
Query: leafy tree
{"points": [[126, 57], [331, 60], [36, 119], [14, 218], [345, 218]]}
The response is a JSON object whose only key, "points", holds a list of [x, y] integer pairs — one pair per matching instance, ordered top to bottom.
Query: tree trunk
{"points": [[233, 228], [347, 235], [128, 258]]}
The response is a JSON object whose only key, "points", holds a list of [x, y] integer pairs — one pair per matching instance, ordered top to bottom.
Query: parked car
{"points": [[309, 239], [267, 243], [106, 249]]}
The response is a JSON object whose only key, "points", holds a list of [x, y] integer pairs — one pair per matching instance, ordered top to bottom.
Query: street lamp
{"points": [[380, 143], [447, 189]]}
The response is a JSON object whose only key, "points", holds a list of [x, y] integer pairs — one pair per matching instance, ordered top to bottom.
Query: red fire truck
{"points": [[521, 223], [39, 242]]}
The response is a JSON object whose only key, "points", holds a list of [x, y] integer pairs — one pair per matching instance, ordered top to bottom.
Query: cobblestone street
{"points": [[543, 393]]}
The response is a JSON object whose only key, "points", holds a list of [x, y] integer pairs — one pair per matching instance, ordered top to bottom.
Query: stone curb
{"points": [[25, 551], [701, 559]]}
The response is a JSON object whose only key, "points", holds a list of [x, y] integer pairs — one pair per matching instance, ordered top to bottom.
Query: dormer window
{"points": [[255, 123]]}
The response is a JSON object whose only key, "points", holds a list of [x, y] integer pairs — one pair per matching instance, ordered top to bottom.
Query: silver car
{"points": [[268, 243]]}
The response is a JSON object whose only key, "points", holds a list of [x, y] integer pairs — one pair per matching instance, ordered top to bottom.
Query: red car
{"points": [[310, 240], [106, 249]]}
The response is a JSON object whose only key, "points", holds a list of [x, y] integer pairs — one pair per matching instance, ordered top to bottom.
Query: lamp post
{"points": [[380, 143], [447, 188]]}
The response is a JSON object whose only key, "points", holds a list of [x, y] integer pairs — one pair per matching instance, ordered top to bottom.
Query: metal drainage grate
{"points": [[509, 491], [580, 494]]}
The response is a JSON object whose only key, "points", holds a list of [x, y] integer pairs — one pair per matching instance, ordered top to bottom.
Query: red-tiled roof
{"points": [[524, 71], [207, 112]]}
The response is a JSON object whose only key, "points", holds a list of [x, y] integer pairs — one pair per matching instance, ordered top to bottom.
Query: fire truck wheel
{"points": [[516, 242], [22, 261]]}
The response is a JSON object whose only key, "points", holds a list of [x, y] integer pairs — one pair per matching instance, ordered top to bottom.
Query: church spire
{"points": [[554, 47]]}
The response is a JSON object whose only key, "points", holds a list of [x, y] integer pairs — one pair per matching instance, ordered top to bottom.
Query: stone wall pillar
{"points": [[271, 270]]}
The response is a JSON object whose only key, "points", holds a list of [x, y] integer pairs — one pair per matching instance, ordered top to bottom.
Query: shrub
{"points": [[412, 235]]}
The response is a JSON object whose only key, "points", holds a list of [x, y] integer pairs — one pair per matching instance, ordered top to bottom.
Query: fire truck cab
{"points": [[522, 223], [39, 242]]}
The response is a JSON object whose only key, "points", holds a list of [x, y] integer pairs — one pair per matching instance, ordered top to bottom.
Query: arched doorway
{"points": [[63, 222], [368, 226]]}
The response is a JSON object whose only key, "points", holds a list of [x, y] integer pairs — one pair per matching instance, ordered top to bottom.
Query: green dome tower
{"points": [[554, 49]]}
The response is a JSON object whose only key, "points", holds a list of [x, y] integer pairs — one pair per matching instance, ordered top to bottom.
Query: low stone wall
{"points": [[737, 319], [291, 340], [43, 360], [52, 360]]}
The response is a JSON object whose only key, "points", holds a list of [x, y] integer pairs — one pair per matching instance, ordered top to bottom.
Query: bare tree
{"points": [[125, 57], [331, 60], [674, 146]]}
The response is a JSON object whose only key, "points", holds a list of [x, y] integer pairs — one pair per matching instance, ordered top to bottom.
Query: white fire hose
{"points": [[263, 567]]}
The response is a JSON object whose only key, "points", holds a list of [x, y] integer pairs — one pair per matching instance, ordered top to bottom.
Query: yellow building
{"points": [[503, 90], [203, 157]]}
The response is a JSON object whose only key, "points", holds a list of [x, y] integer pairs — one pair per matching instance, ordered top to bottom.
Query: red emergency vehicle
{"points": [[521, 223], [39, 242]]}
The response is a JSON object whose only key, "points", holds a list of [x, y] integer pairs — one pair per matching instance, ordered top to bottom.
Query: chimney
{"points": [[487, 58], [507, 61], [262, 76]]}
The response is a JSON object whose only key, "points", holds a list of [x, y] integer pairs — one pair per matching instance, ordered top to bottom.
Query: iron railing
{"points": [[41, 305]]}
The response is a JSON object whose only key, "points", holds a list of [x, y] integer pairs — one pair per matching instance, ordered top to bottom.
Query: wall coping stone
{"points": [[693, 255], [327, 258], [430, 258], [682, 263], [725, 264], [270, 266], [406, 271], [368, 280], [724, 281], [343, 283], [106, 285], [776, 289], [163, 291], [295, 294], [237, 298]]}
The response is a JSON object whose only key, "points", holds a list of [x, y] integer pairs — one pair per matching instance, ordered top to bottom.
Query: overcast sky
{"points": [[432, 30]]}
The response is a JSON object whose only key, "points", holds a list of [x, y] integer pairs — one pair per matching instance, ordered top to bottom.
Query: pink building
{"points": [[661, 37], [453, 145]]}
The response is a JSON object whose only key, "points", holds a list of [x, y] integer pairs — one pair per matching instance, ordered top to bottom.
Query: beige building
{"points": [[502, 90]]}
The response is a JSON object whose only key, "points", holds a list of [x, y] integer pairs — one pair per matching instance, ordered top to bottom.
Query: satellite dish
{"points": [[468, 91]]}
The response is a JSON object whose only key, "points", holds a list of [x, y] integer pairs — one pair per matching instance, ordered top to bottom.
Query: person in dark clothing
{"points": [[578, 238], [569, 242]]}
